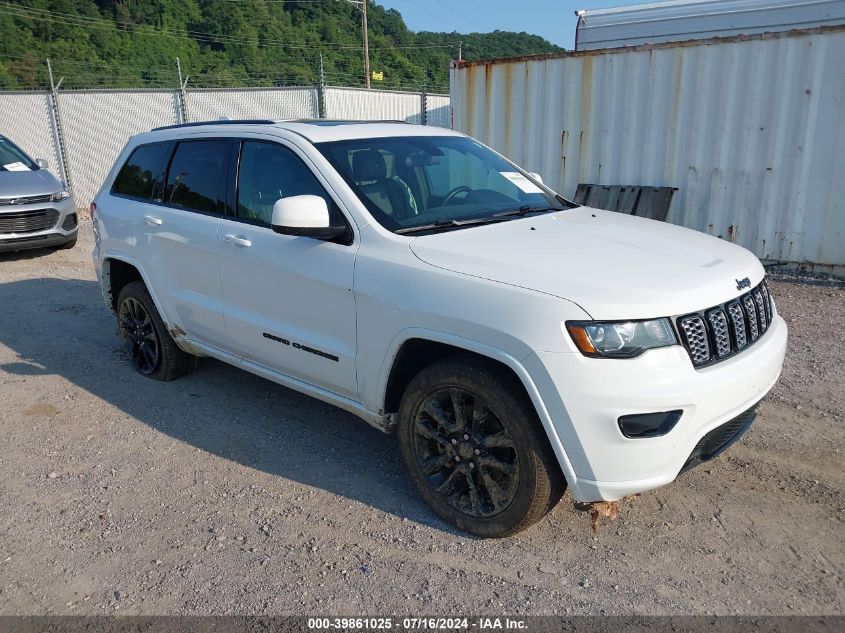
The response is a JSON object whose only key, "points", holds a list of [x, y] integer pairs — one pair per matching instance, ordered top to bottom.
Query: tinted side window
{"points": [[269, 172], [197, 175], [141, 177]]}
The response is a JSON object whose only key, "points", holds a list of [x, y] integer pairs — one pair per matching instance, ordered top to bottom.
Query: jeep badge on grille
{"points": [[743, 283]]}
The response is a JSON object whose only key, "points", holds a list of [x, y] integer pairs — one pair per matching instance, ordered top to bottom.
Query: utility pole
{"points": [[361, 5], [366, 43], [460, 51], [321, 91], [424, 98]]}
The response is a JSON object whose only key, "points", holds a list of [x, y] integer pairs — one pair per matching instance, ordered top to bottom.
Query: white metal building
{"points": [[680, 20]]}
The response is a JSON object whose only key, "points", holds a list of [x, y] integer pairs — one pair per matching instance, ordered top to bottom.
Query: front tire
{"points": [[147, 342], [475, 449]]}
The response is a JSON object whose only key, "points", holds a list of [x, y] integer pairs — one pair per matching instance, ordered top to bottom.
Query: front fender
{"points": [[483, 349]]}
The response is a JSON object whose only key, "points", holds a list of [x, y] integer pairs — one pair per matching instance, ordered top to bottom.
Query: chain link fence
{"points": [[258, 103], [25, 117], [96, 126], [81, 132]]}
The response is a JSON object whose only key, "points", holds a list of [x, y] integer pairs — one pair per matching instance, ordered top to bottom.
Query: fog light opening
{"points": [[70, 222], [644, 425]]}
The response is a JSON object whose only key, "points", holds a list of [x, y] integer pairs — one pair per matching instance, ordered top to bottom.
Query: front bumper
{"points": [[62, 231], [586, 396]]}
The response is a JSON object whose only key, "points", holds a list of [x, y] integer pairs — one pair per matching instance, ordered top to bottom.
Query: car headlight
{"points": [[62, 194], [614, 339]]}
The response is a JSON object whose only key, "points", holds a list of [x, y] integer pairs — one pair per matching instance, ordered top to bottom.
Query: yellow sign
{"points": [[378, 76]]}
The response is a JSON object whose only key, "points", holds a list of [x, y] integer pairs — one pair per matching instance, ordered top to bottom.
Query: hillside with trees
{"points": [[232, 43]]}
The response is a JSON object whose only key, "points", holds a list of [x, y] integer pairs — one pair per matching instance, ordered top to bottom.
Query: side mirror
{"points": [[42, 164], [536, 176], [305, 216]]}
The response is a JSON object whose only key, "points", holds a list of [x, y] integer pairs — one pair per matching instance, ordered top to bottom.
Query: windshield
{"points": [[12, 157], [417, 183]]}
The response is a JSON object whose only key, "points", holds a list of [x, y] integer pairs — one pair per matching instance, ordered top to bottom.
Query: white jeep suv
{"points": [[517, 342]]}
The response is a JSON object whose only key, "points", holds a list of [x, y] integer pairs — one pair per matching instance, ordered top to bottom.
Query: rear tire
{"points": [[148, 344], [475, 449]]}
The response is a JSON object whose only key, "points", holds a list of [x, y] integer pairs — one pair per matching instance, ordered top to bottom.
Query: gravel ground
{"points": [[222, 493]]}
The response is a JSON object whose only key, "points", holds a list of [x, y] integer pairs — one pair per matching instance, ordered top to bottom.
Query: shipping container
{"points": [[681, 20], [751, 131]]}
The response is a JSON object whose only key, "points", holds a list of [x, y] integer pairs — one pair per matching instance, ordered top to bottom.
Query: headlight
{"points": [[62, 194], [620, 340]]}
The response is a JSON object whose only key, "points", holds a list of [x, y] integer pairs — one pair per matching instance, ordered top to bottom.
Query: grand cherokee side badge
{"points": [[743, 283]]}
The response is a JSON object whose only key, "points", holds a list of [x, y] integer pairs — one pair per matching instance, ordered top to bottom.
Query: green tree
{"points": [[134, 43]]}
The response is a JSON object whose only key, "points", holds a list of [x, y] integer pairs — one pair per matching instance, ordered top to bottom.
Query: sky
{"points": [[553, 19]]}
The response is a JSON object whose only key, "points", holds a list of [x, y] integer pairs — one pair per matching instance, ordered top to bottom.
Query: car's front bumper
{"points": [[62, 231], [586, 396]]}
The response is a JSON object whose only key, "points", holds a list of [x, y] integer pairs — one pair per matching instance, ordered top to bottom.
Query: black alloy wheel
{"points": [[139, 336], [475, 448], [466, 452]]}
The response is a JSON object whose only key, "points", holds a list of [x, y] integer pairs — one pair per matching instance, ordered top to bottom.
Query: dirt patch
{"points": [[41, 409], [222, 493]]}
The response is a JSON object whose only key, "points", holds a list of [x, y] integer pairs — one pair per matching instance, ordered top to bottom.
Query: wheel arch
{"points": [[120, 270], [116, 274], [415, 349]]}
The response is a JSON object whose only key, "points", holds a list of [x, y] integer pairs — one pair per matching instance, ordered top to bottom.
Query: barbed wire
{"points": [[81, 74], [95, 74]]}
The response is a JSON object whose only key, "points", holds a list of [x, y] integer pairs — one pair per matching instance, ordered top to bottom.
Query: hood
{"points": [[27, 183], [614, 266]]}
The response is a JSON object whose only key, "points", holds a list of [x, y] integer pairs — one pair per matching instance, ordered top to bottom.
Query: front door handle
{"points": [[151, 219], [238, 240]]}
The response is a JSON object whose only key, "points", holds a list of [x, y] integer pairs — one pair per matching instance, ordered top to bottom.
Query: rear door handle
{"points": [[151, 219], [238, 240]]}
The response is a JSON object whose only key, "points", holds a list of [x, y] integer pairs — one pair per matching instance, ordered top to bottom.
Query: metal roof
{"points": [[681, 20]]}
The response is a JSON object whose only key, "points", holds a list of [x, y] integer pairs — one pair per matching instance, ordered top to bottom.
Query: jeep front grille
{"points": [[738, 324], [720, 332], [695, 338]]}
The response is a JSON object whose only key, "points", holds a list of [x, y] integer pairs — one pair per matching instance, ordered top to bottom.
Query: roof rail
{"points": [[221, 122], [333, 122]]}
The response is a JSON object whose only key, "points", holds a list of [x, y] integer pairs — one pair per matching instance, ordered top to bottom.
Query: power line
{"points": [[460, 15], [437, 17], [72, 20], [455, 26], [120, 71]]}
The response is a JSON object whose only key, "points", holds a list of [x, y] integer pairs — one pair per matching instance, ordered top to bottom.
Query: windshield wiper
{"points": [[569, 204], [524, 211], [501, 216], [446, 224]]}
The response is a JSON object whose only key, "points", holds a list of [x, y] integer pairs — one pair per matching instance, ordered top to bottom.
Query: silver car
{"points": [[36, 209]]}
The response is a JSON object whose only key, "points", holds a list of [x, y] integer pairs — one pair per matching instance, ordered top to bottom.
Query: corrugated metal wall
{"points": [[97, 123], [751, 131]]}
